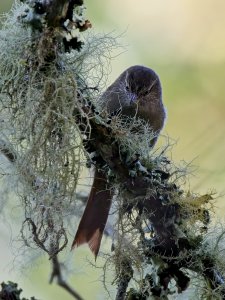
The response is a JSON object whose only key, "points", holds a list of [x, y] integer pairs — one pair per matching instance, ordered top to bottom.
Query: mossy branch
{"points": [[53, 119], [10, 291]]}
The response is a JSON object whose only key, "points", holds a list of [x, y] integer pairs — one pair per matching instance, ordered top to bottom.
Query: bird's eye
{"points": [[127, 87]]}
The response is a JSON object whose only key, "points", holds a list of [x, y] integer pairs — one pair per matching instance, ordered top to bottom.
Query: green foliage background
{"points": [[185, 43]]}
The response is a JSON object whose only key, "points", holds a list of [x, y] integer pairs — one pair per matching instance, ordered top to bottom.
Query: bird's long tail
{"points": [[93, 221]]}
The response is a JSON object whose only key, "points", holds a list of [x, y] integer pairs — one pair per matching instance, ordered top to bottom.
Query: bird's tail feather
{"points": [[93, 221]]}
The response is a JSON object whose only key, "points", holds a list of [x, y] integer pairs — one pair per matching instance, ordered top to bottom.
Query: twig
{"points": [[9, 153], [57, 273]]}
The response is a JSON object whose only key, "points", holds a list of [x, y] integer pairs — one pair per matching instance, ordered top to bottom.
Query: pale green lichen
{"points": [[40, 119]]}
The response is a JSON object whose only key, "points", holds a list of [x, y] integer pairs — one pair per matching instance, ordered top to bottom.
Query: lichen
{"points": [[42, 92]]}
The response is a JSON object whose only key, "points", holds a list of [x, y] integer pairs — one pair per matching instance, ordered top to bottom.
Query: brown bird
{"points": [[135, 93]]}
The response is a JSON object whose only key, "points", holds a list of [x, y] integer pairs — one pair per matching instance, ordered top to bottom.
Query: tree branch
{"points": [[148, 195], [57, 273], [126, 273]]}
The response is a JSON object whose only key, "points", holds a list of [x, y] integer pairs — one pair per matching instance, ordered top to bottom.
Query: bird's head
{"points": [[140, 82]]}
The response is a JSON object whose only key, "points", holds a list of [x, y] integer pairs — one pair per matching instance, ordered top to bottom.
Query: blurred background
{"points": [[184, 42]]}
